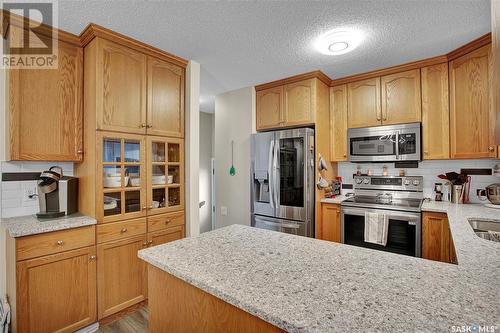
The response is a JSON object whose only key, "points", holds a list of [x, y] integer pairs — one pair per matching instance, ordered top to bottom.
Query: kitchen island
{"points": [[298, 284]]}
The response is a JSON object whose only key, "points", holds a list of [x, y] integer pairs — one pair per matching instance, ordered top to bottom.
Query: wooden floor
{"points": [[135, 322]]}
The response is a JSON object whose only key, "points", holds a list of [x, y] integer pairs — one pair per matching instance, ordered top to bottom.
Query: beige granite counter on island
{"points": [[31, 225], [300, 284]]}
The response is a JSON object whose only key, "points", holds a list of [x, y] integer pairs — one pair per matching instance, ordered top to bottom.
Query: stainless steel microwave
{"points": [[385, 143]]}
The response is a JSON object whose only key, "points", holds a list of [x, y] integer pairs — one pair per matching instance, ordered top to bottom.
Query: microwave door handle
{"points": [[397, 145], [270, 167]]}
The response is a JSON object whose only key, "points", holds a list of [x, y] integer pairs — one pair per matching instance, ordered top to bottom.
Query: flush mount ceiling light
{"points": [[338, 41]]}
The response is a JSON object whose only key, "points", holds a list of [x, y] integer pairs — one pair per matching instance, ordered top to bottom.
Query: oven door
{"points": [[385, 143], [404, 234]]}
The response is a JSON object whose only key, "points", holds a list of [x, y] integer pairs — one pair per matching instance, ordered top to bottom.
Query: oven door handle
{"points": [[411, 218]]}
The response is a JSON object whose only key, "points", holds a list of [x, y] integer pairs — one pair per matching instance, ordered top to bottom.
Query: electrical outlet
{"points": [[30, 193], [223, 211]]}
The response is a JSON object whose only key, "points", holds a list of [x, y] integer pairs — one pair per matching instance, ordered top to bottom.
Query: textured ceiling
{"points": [[245, 43]]}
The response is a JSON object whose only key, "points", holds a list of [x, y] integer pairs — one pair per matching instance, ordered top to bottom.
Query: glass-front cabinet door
{"points": [[121, 176], [165, 191]]}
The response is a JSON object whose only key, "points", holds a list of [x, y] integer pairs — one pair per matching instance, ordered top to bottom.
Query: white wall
{"points": [[234, 120], [192, 153], [206, 154], [429, 170]]}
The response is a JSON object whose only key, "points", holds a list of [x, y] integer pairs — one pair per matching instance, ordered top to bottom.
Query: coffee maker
{"points": [[57, 194]]}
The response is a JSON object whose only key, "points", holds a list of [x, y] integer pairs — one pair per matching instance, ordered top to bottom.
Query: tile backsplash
{"points": [[429, 170], [14, 199]]}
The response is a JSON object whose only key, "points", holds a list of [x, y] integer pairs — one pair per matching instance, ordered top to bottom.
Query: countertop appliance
{"points": [[385, 143], [282, 184], [57, 194], [399, 198]]}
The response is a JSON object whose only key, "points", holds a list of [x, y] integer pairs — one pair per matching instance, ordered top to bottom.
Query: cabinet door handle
{"points": [[378, 114], [143, 125], [149, 126], [491, 148], [79, 151], [168, 221], [124, 230], [60, 242], [150, 242], [145, 244], [92, 258]]}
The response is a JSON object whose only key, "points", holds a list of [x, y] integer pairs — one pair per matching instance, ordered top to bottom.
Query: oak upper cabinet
{"points": [[120, 84], [363, 100], [401, 101], [300, 102], [45, 107], [165, 107], [269, 108], [435, 112], [472, 120], [338, 123], [330, 222], [437, 243], [121, 279], [61, 287]]}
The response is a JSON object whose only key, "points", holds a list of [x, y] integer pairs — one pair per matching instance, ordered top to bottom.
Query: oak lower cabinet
{"points": [[363, 101], [34, 111], [435, 112], [472, 119], [338, 123], [331, 222], [437, 242], [121, 279], [54, 292]]}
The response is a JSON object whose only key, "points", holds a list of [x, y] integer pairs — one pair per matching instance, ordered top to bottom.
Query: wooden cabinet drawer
{"points": [[161, 222], [119, 230], [54, 242]]}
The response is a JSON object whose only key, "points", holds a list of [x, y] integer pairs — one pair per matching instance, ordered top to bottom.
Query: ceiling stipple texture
{"points": [[243, 43]]}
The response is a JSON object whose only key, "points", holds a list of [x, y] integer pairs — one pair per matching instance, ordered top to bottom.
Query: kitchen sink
{"points": [[486, 229]]}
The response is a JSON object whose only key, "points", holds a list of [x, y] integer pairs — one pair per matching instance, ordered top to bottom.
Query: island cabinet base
{"points": [[177, 306]]}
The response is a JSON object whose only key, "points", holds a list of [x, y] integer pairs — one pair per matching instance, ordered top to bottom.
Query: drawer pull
{"points": [[491, 148], [168, 221], [124, 230], [150, 242], [60, 243], [92, 258]]}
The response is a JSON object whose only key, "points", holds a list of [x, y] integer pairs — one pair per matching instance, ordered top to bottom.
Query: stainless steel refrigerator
{"points": [[282, 181]]}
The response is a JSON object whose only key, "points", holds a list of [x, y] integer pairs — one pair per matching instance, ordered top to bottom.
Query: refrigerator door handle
{"points": [[270, 172], [275, 175]]}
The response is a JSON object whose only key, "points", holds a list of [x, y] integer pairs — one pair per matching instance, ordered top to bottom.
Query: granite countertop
{"points": [[337, 200], [31, 225], [307, 285]]}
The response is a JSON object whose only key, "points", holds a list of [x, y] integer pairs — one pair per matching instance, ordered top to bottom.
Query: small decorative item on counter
{"points": [[358, 170], [385, 171], [369, 172], [402, 173], [438, 189]]}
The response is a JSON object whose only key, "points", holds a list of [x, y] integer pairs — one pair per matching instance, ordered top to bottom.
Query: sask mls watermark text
{"points": [[30, 34]]}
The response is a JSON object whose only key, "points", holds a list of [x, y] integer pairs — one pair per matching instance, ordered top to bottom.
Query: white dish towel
{"points": [[376, 228]]}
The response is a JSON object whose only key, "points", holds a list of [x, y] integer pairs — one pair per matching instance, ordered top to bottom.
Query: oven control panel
{"points": [[395, 183]]}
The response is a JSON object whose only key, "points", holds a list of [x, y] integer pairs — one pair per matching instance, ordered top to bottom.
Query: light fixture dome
{"points": [[338, 41]]}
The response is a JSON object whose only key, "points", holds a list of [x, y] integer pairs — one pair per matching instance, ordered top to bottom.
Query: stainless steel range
{"points": [[396, 199]]}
